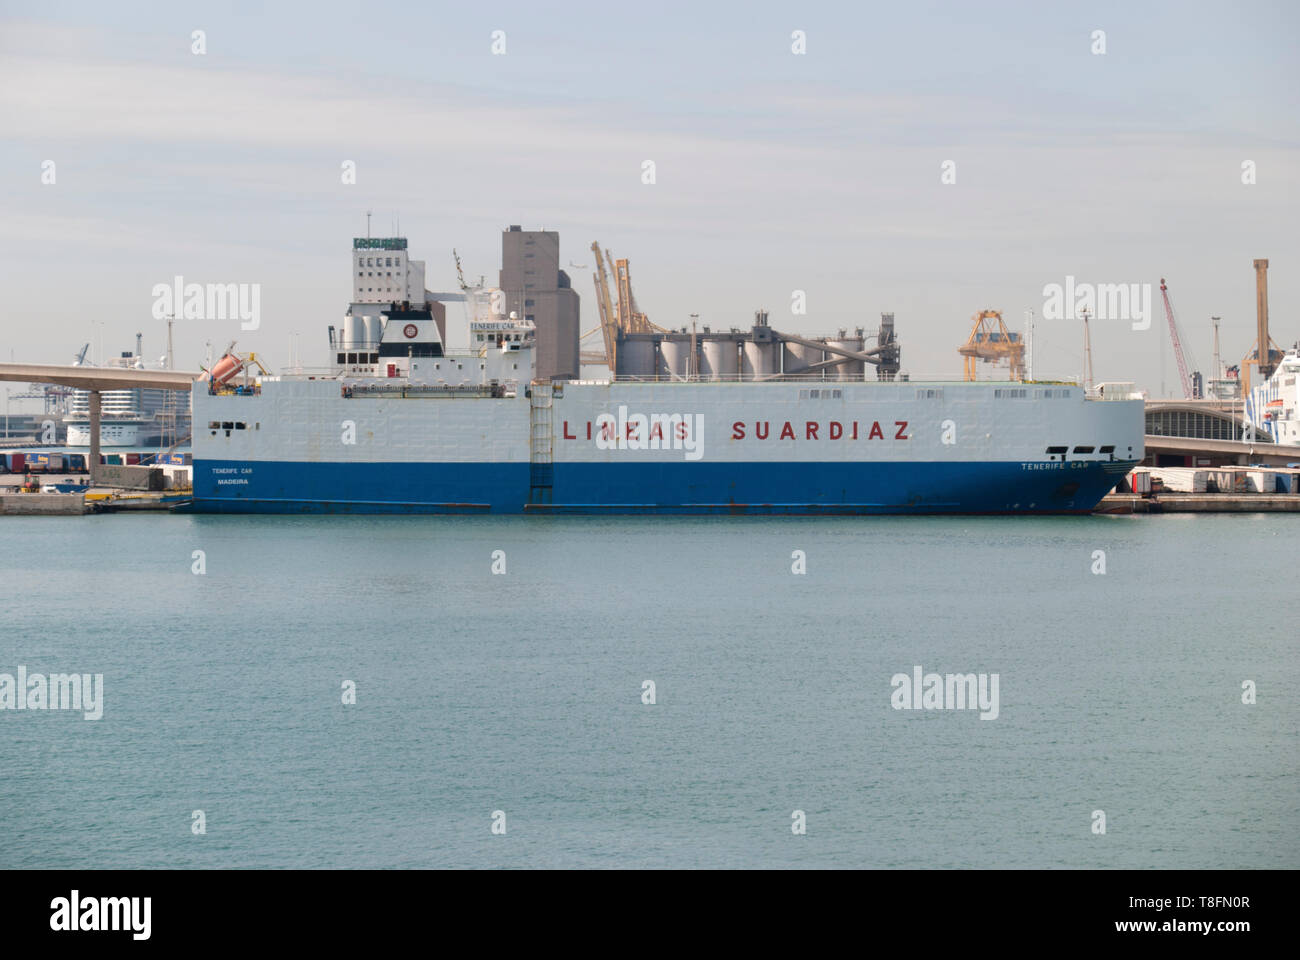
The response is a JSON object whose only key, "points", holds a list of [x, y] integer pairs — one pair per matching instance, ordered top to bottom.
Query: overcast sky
{"points": [[774, 171]]}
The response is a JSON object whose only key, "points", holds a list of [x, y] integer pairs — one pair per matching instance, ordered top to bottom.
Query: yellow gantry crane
{"points": [[608, 314], [616, 316], [991, 342]]}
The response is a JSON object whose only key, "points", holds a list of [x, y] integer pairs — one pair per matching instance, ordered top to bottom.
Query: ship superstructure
{"points": [[1274, 406]]}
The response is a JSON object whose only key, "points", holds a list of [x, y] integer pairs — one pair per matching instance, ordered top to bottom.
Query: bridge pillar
{"points": [[93, 459]]}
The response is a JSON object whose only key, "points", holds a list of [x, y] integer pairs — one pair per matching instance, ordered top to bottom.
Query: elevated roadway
{"points": [[95, 380]]}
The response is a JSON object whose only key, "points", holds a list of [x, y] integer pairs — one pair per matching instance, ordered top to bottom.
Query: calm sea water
{"points": [[522, 692]]}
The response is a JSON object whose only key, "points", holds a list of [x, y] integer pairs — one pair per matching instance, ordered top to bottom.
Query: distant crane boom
{"points": [[608, 314], [1177, 341]]}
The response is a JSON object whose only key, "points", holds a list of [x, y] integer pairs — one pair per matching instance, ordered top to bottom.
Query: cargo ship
{"points": [[752, 422]]}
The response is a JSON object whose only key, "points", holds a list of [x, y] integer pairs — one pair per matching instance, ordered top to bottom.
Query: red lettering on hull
{"points": [[762, 430]]}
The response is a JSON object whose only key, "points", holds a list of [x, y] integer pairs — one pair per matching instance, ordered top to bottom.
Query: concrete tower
{"points": [[539, 291]]}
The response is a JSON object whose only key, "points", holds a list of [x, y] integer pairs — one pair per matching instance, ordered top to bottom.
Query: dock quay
{"points": [[13, 502], [1175, 502], [42, 504]]}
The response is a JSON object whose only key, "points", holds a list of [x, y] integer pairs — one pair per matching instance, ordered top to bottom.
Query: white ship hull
{"points": [[778, 447]]}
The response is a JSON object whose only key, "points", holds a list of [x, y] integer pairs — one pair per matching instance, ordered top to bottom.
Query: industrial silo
{"points": [[374, 331], [354, 334], [675, 355], [798, 357], [636, 358], [720, 358], [759, 358], [849, 369]]}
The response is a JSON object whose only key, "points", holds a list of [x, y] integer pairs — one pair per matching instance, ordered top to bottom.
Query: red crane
{"points": [[1177, 341]]}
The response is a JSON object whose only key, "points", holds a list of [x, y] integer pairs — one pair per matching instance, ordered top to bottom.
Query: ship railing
{"points": [[314, 373], [814, 378], [403, 390]]}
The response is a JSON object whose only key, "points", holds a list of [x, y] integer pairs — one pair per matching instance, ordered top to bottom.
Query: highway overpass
{"points": [[97, 379]]}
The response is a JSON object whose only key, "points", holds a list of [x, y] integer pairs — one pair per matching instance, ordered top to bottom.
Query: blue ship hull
{"points": [[798, 488]]}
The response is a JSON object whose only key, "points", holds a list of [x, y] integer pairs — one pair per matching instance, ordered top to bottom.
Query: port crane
{"points": [[619, 316], [1176, 339], [991, 342], [1264, 353]]}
